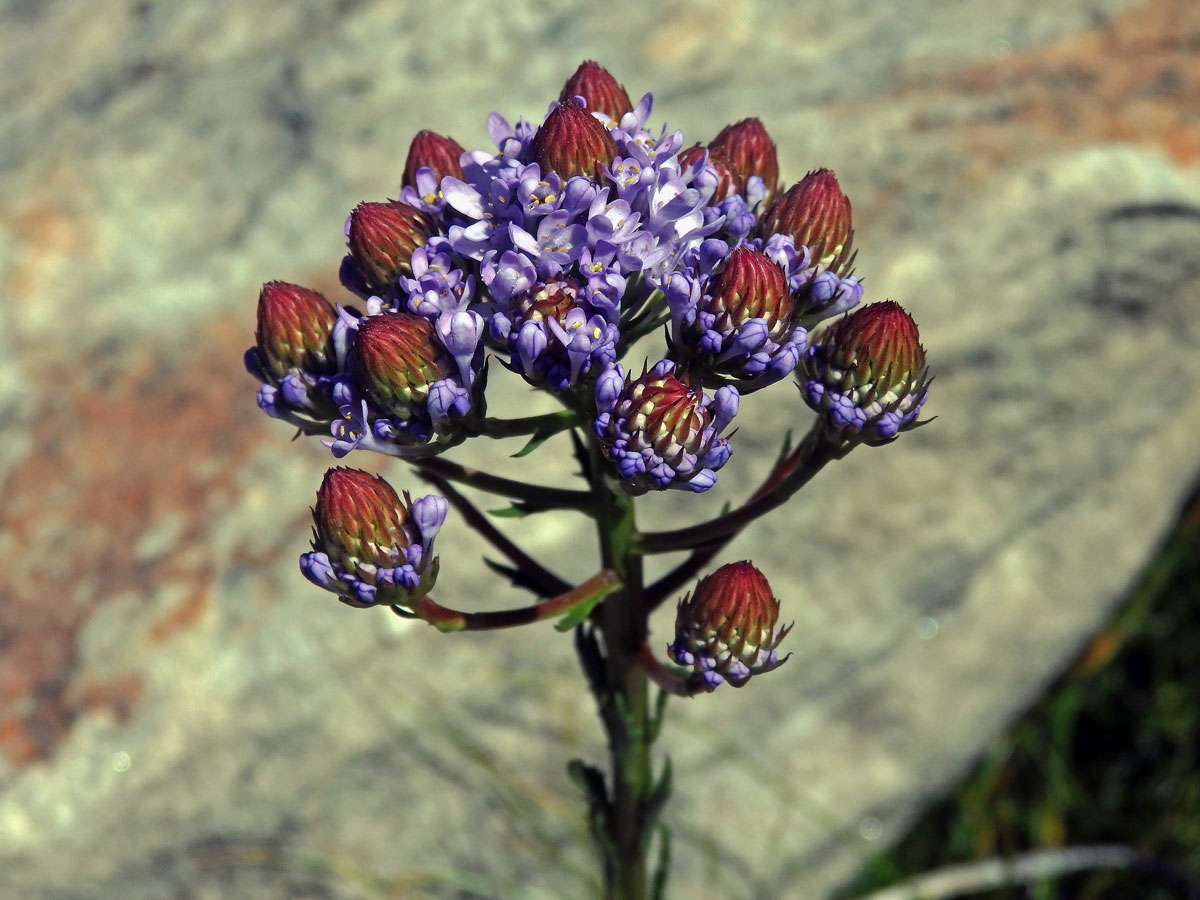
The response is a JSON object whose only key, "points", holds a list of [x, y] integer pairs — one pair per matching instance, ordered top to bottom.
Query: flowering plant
{"points": [[552, 255]]}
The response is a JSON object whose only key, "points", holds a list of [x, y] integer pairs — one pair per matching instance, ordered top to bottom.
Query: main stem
{"points": [[626, 706]]}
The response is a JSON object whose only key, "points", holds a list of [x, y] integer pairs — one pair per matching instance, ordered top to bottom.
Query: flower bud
{"points": [[596, 85], [573, 142], [746, 149], [437, 152], [727, 181], [816, 213], [382, 238], [751, 286], [295, 328], [396, 357], [866, 374], [662, 432], [369, 545], [725, 630]]}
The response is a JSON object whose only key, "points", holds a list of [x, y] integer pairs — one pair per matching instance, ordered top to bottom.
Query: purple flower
{"points": [[737, 322], [866, 375], [661, 432], [369, 545], [725, 630]]}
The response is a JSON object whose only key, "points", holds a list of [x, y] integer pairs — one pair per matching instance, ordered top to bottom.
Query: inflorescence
{"points": [[552, 254]]}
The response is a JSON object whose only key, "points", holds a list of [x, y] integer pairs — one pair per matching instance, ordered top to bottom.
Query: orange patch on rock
{"points": [[1135, 79], [48, 229], [121, 444], [181, 617]]}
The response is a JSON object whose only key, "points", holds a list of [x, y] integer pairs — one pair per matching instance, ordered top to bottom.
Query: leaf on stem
{"points": [[535, 440], [785, 448], [516, 511], [578, 613], [659, 714], [654, 803], [662, 866]]}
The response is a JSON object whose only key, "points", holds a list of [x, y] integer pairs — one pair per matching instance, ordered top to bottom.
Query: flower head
{"points": [[596, 85], [573, 142], [745, 150], [437, 152], [816, 214], [382, 238], [751, 286], [738, 322], [295, 330], [397, 357], [866, 374], [660, 431], [369, 545], [725, 630]]}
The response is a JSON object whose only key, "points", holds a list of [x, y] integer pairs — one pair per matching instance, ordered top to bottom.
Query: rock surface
{"points": [[181, 715]]}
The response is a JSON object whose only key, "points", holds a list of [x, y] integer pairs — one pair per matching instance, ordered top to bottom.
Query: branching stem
{"points": [[445, 619]]}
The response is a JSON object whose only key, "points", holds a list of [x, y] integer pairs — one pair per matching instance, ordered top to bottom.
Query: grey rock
{"points": [[165, 158]]}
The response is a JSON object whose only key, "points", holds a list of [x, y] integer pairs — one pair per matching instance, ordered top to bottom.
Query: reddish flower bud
{"points": [[596, 85], [573, 142], [746, 149], [435, 151], [690, 156], [727, 183], [816, 213], [382, 238], [751, 286], [294, 331], [880, 345], [396, 357], [866, 374], [661, 431], [359, 519], [369, 545], [726, 629]]}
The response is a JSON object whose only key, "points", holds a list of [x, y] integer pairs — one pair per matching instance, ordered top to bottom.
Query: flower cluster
{"points": [[556, 251], [553, 253], [369, 545], [725, 630]]}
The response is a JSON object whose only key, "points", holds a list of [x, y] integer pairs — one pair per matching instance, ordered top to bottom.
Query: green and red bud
{"points": [[599, 88], [573, 142], [745, 149], [434, 151], [816, 213], [382, 238], [751, 286], [295, 327], [878, 346], [396, 357], [865, 376], [360, 520], [371, 546], [726, 629]]}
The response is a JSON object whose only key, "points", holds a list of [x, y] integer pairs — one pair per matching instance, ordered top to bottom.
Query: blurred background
{"points": [[181, 715]]}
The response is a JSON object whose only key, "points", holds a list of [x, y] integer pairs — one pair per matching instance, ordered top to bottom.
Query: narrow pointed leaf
{"points": [[510, 512], [578, 613]]}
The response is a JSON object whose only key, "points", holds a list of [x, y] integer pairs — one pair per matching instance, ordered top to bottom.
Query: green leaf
{"points": [[536, 440], [509, 512], [578, 613], [659, 714], [653, 804], [658, 888]]}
